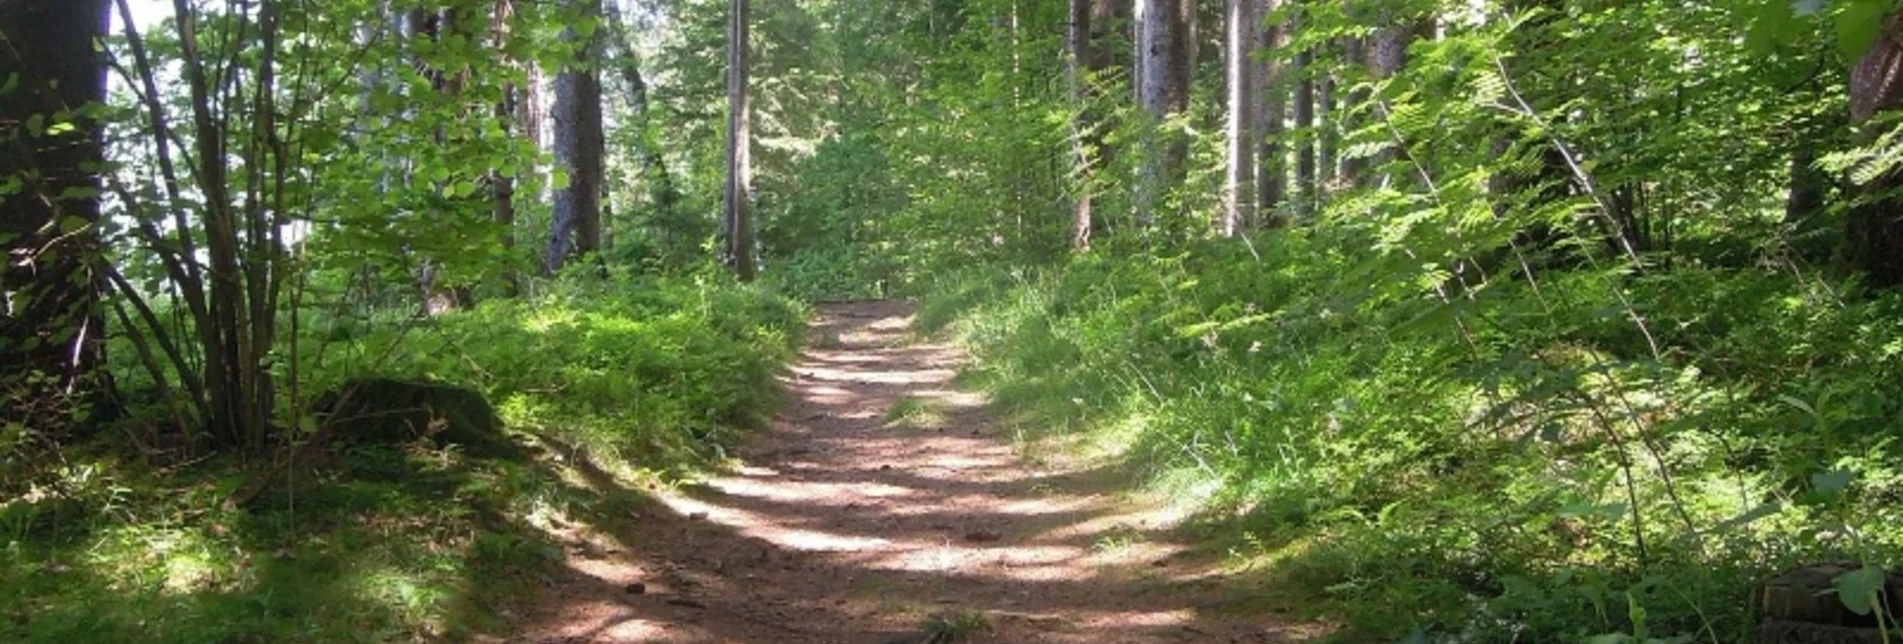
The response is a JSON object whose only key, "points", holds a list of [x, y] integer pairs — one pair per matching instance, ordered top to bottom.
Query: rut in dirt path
{"points": [[881, 498]]}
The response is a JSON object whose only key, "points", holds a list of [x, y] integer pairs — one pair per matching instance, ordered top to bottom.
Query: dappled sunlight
{"points": [[893, 377], [808, 491], [836, 527]]}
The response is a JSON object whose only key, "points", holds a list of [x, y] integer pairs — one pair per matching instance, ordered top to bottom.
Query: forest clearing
{"points": [[935, 321]]}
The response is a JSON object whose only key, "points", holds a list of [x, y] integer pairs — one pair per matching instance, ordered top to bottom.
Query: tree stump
{"points": [[390, 411], [1801, 607]]}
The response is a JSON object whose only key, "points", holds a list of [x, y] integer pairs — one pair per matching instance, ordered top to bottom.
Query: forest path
{"points": [[881, 498]]}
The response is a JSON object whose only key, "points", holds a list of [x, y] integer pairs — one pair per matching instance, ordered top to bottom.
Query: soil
{"points": [[883, 497]]}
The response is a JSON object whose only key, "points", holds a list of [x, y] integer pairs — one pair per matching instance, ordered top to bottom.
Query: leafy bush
{"points": [[653, 371], [1520, 464]]}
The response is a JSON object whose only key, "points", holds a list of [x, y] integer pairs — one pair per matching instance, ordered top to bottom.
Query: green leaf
{"points": [[1858, 25], [1772, 26], [12, 83], [36, 124], [439, 174], [560, 179], [77, 193], [71, 223], [1859, 590]]}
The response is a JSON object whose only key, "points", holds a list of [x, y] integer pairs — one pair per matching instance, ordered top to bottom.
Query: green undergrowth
{"points": [[657, 372], [1597, 455], [410, 542]]}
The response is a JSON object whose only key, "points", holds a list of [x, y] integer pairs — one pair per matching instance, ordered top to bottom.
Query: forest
{"points": [[923, 321]]}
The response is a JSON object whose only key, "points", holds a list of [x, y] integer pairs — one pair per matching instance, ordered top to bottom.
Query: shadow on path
{"points": [[851, 522]]}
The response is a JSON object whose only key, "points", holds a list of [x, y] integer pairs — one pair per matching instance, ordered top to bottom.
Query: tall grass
{"points": [[1511, 464]]}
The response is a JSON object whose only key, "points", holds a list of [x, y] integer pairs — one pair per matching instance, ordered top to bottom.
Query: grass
{"points": [[913, 413], [1520, 467], [384, 543], [958, 627]]}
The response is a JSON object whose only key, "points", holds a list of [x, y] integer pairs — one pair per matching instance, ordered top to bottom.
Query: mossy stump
{"points": [[388, 411], [1801, 607]]}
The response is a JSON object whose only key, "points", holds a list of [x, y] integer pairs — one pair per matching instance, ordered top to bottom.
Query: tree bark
{"points": [[1089, 27], [1387, 56], [1164, 94], [1332, 116], [1240, 130], [1271, 163], [502, 184], [1306, 190], [738, 197], [575, 223], [1873, 230], [438, 297], [50, 316]]}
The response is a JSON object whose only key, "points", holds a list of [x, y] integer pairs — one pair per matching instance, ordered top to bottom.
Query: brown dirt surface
{"points": [[882, 497]]}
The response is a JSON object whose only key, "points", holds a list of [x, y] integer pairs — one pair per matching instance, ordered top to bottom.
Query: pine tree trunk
{"points": [[1238, 40], [1088, 56], [1387, 56], [1164, 94], [1333, 117], [1271, 162], [502, 184], [1307, 192], [738, 197], [575, 223], [1873, 230], [50, 316]]}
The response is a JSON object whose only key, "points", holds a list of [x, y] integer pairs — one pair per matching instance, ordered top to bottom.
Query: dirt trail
{"points": [[852, 523]]}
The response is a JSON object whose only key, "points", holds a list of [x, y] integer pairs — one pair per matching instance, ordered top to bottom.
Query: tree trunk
{"points": [[1089, 27], [1238, 40], [1387, 56], [1164, 95], [1333, 118], [1271, 164], [502, 184], [1307, 194], [738, 197], [575, 223], [1873, 230], [439, 297], [50, 317]]}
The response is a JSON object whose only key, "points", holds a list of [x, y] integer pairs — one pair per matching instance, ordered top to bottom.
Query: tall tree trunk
{"points": [[1241, 25], [437, 26], [1089, 27], [1387, 56], [1164, 95], [1333, 116], [1271, 163], [502, 184], [1307, 192], [738, 197], [575, 224], [1873, 231], [50, 317]]}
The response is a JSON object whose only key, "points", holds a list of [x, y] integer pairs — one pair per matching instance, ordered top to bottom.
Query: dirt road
{"points": [[883, 498]]}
